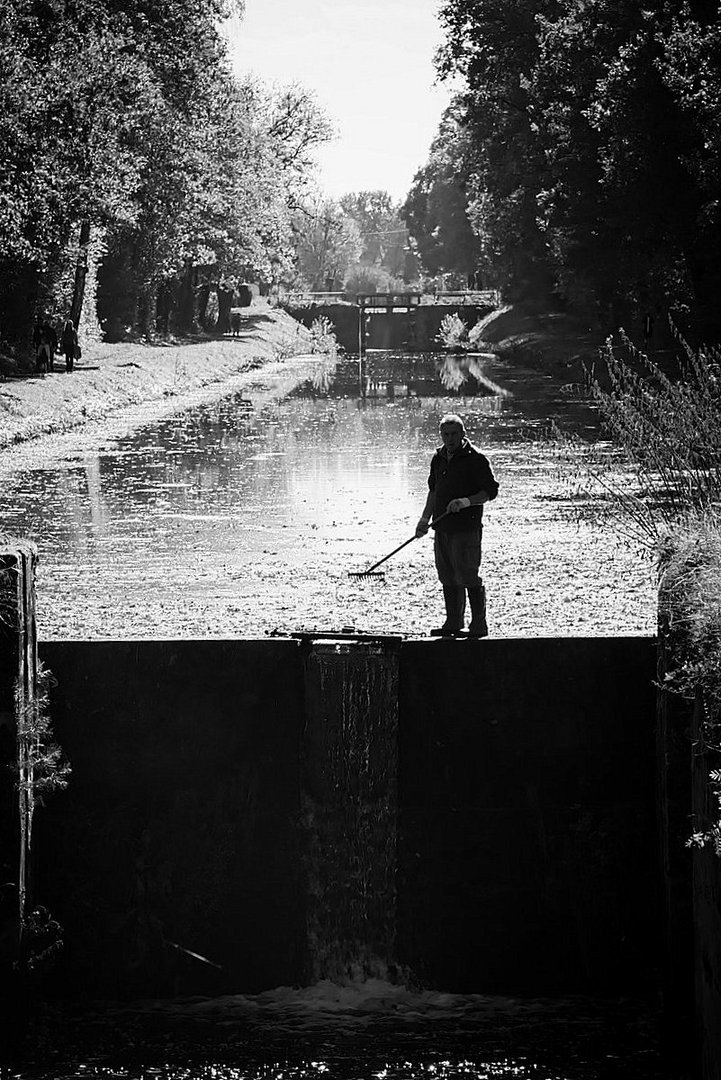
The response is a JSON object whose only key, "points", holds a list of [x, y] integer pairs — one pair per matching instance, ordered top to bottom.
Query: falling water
{"points": [[350, 808]]}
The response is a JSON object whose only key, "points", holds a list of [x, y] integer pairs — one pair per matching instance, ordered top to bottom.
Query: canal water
{"points": [[244, 516], [370, 1031]]}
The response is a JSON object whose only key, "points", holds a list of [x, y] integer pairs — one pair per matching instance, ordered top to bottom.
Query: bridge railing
{"points": [[480, 297], [491, 297], [300, 298], [386, 300]]}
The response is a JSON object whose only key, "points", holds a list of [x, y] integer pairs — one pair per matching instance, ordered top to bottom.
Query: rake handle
{"points": [[404, 544]]}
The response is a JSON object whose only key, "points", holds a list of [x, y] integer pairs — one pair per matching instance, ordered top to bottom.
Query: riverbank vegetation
{"points": [[579, 163], [137, 174], [669, 430]]}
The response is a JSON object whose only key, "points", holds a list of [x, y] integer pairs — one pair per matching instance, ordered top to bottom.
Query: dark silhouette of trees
{"points": [[583, 152]]}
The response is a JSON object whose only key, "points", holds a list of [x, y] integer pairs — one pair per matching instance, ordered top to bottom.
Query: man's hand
{"points": [[458, 504], [422, 527]]}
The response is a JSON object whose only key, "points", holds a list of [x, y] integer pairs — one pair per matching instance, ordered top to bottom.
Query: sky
{"points": [[369, 64]]}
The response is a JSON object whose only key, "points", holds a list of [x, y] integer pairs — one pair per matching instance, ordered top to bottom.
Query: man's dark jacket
{"points": [[465, 474]]}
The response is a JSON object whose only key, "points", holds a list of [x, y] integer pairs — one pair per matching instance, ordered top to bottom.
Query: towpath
{"points": [[114, 378]]}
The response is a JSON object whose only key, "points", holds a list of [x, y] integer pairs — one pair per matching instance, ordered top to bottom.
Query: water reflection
{"points": [[378, 374], [168, 529], [349, 1032], [347, 1069]]}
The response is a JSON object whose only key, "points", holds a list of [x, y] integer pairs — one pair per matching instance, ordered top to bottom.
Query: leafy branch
{"points": [[668, 430]]}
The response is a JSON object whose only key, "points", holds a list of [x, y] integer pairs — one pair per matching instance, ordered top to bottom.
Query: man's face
{"points": [[451, 434]]}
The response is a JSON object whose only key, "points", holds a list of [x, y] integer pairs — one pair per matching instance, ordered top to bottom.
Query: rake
{"points": [[374, 572]]}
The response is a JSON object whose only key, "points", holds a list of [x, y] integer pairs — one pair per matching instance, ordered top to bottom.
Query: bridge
{"points": [[390, 301], [391, 320]]}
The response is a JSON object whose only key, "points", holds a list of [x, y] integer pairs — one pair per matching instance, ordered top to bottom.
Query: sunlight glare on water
{"points": [[244, 517], [327, 1070]]}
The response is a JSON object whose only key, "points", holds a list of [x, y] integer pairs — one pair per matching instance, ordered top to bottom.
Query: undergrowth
{"points": [[319, 338], [668, 498], [690, 615], [39, 764]]}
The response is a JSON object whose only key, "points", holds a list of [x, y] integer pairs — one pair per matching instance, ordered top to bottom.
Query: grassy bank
{"points": [[554, 342], [562, 344], [111, 377]]}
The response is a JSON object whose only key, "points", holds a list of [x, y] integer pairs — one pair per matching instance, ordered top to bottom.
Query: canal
{"points": [[243, 516]]}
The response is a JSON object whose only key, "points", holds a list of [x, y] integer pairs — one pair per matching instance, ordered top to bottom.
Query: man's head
{"points": [[452, 431]]}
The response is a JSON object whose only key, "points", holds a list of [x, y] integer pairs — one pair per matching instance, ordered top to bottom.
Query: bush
{"points": [[372, 279], [453, 333], [323, 339], [670, 432], [690, 610]]}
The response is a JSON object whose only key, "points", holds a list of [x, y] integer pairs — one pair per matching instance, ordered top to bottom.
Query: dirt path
{"points": [[113, 377]]}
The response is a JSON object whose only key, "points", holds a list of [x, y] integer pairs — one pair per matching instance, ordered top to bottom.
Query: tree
{"points": [[494, 46], [690, 65], [586, 143], [144, 146], [436, 208], [616, 210], [383, 233], [328, 242]]}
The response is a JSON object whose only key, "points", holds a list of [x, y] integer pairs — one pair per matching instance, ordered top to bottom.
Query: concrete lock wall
{"points": [[414, 329], [208, 777]]}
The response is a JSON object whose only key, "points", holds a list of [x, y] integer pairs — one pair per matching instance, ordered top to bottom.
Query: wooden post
{"points": [[361, 327], [18, 695]]}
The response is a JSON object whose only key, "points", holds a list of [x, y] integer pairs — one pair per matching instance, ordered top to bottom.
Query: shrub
{"points": [[453, 333], [323, 339], [669, 430], [690, 609]]}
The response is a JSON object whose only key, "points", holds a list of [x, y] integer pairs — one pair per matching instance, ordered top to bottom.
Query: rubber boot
{"points": [[455, 600], [478, 626]]}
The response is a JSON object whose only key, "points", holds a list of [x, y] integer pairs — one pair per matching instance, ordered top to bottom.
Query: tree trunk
{"points": [[81, 273], [186, 300], [200, 305], [146, 309], [163, 309]]}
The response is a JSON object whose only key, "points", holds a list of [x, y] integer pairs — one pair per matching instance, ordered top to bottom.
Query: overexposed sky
{"points": [[369, 64]]}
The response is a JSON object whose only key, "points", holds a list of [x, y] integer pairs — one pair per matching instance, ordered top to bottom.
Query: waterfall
{"points": [[350, 808]]}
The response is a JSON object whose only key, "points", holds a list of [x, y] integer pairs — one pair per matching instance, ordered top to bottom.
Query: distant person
{"points": [[245, 295], [235, 323], [48, 331], [37, 341], [45, 341], [69, 344], [460, 482]]}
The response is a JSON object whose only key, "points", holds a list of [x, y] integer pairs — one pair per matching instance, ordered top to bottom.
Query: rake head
{"points": [[378, 575]]}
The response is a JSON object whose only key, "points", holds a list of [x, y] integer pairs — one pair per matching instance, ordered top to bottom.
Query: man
{"points": [[459, 483]]}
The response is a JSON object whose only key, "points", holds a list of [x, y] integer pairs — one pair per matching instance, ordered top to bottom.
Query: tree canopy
{"points": [[125, 138], [582, 151], [358, 243]]}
